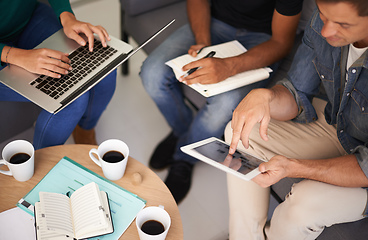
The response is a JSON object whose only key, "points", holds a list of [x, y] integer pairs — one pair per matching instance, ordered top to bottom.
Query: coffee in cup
{"points": [[19, 157], [112, 157], [153, 223]]}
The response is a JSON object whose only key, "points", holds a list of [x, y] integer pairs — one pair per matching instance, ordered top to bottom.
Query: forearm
{"points": [[66, 17], [200, 18], [271, 51], [12, 55], [259, 56], [283, 106], [341, 171]]}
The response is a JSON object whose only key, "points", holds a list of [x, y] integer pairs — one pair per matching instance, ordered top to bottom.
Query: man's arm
{"points": [[199, 15], [278, 46], [260, 105], [341, 171]]}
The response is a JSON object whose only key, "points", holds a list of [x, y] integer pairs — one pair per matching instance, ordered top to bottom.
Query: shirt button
{"points": [[353, 71], [322, 76], [347, 94], [363, 109], [341, 131]]}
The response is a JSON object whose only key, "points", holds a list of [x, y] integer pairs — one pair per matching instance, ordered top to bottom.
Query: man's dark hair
{"points": [[360, 5]]}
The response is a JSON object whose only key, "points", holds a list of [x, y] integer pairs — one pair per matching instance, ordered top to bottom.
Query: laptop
{"points": [[54, 94]]}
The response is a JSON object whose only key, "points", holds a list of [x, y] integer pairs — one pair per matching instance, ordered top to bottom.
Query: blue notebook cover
{"points": [[67, 176]]}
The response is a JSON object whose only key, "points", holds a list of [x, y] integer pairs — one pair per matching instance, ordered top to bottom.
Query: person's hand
{"points": [[73, 28], [195, 49], [42, 61], [210, 70], [252, 109], [272, 171]]}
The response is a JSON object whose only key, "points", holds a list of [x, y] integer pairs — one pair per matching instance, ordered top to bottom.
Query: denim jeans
{"points": [[161, 84], [55, 129]]}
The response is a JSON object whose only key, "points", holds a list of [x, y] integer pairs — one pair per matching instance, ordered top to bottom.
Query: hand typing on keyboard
{"points": [[73, 28], [54, 63]]}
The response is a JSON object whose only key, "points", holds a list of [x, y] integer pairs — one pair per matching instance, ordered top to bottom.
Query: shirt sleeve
{"points": [[60, 6], [289, 7], [2, 64], [303, 80], [361, 153]]}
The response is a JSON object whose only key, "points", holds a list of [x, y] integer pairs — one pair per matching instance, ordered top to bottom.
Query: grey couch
{"points": [[141, 18], [16, 118]]}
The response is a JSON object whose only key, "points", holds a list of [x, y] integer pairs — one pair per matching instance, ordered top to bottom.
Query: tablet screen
{"points": [[239, 161]]}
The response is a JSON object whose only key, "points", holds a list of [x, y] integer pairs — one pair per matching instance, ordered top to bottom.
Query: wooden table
{"points": [[150, 188]]}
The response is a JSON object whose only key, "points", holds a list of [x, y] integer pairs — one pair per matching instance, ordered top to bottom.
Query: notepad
{"points": [[224, 50], [67, 176], [84, 214]]}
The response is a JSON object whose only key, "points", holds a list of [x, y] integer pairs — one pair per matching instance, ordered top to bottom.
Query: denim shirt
{"points": [[318, 62]]}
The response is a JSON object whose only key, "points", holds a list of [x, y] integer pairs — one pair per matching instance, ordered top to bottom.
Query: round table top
{"points": [[137, 179]]}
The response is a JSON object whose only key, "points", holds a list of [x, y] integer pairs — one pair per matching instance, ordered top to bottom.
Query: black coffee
{"points": [[113, 156], [19, 158], [152, 227]]}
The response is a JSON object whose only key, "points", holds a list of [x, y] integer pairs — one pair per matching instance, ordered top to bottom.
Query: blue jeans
{"points": [[161, 84], [55, 129]]}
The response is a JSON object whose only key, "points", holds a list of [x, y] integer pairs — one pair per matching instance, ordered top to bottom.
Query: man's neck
{"points": [[361, 44]]}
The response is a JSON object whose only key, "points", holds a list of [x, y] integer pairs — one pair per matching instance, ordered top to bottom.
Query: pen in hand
{"points": [[210, 54]]}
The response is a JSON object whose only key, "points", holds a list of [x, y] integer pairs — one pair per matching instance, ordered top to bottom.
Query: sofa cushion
{"points": [[137, 7], [308, 9], [137, 27]]}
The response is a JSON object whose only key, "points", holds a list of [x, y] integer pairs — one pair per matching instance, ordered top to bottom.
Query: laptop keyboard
{"points": [[83, 62]]}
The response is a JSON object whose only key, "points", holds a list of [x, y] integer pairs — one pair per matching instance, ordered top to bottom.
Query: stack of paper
{"points": [[224, 50]]}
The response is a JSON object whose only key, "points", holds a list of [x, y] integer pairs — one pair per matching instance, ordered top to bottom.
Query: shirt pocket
{"points": [[324, 73], [326, 76], [358, 114]]}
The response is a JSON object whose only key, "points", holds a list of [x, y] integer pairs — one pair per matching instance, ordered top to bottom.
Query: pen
{"points": [[200, 50], [210, 54]]}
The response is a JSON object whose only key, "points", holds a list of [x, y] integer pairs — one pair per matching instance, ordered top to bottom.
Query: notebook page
{"points": [[87, 210], [53, 214]]}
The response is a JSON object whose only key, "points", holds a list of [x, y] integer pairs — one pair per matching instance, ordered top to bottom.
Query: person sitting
{"points": [[24, 25], [265, 28], [325, 144]]}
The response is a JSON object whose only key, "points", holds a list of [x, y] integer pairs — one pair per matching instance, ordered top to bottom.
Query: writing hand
{"points": [[73, 28], [194, 50], [210, 70], [252, 109]]}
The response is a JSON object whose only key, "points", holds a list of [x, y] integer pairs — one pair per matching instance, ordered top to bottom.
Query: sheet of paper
{"points": [[67, 176], [16, 224]]}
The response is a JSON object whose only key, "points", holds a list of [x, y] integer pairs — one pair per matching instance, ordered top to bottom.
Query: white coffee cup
{"points": [[23, 170], [113, 170], [154, 213]]}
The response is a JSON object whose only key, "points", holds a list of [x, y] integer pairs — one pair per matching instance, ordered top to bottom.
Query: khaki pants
{"points": [[310, 206]]}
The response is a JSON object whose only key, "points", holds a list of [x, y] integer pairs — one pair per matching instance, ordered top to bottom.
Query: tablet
{"points": [[214, 151]]}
